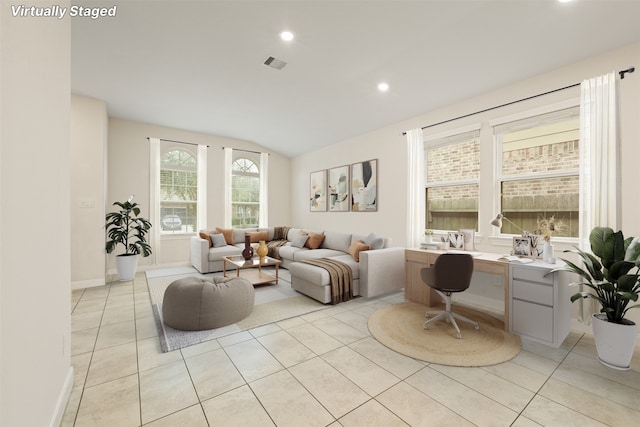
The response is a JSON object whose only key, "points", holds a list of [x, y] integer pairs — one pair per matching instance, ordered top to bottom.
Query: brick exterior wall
{"points": [[523, 201]]}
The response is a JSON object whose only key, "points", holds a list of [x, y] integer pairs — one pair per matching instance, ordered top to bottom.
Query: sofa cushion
{"points": [[270, 232], [227, 233], [239, 233], [292, 233], [204, 235], [256, 236], [218, 240], [299, 240], [314, 241], [337, 241], [374, 241], [386, 241], [357, 247], [289, 251], [216, 254], [316, 254]]}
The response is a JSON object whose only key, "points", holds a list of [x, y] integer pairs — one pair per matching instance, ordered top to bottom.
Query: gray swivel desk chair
{"points": [[450, 273]]}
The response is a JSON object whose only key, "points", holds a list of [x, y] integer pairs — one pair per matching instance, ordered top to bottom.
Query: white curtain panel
{"points": [[228, 162], [599, 163], [202, 187], [415, 187], [154, 198], [263, 220]]}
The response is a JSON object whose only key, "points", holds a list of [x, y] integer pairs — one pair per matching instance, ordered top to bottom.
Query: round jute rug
{"points": [[400, 327]]}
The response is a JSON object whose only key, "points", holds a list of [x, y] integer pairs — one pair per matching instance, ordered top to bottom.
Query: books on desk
{"points": [[515, 258]]}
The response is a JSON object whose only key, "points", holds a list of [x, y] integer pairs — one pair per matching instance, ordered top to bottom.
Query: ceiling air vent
{"points": [[275, 63]]}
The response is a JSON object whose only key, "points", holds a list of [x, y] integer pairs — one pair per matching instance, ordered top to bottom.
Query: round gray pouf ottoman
{"points": [[194, 304]]}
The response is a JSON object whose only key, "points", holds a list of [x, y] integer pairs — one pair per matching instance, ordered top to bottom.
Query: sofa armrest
{"points": [[200, 254], [381, 271]]}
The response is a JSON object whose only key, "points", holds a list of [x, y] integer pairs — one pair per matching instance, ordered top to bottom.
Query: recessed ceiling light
{"points": [[564, 1], [286, 36], [383, 87]]}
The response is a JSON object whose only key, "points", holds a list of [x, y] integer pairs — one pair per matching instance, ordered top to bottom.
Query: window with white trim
{"points": [[452, 172], [538, 172], [178, 190], [245, 195]]}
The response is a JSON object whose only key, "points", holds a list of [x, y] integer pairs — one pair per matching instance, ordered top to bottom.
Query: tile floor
{"points": [[321, 369]]}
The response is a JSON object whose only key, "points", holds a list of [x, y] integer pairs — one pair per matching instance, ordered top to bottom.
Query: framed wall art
{"points": [[364, 186], [318, 191], [338, 191]]}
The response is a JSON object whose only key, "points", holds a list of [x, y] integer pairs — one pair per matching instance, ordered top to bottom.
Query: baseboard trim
{"points": [[143, 268], [81, 284], [63, 399]]}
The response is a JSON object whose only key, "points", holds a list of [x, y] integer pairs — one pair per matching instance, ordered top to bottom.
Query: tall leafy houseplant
{"points": [[125, 227], [612, 275]]}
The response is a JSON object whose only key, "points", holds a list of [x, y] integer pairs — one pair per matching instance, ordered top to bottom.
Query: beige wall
{"points": [[389, 146], [128, 173], [88, 191], [35, 369]]}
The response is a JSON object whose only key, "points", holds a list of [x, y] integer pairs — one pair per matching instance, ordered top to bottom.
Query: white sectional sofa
{"points": [[378, 271]]}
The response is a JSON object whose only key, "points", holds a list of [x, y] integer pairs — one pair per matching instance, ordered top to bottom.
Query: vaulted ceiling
{"points": [[199, 65]]}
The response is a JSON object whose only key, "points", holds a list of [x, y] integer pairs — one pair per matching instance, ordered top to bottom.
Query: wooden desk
{"points": [[416, 290], [536, 303]]}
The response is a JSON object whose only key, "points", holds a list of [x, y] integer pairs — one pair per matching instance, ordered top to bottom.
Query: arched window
{"points": [[178, 191], [245, 193]]}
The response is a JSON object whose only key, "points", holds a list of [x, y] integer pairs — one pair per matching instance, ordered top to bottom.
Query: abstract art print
{"points": [[364, 186], [339, 189], [318, 191], [469, 236], [456, 240], [537, 245], [522, 246]]}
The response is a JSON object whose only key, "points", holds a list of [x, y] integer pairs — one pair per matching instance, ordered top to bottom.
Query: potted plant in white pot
{"points": [[125, 227], [613, 276]]}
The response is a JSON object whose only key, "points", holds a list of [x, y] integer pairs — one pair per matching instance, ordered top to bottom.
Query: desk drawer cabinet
{"points": [[538, 293], [539, 303], [533, 320]]}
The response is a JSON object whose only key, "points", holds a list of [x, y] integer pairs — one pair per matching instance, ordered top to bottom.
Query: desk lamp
{"points": [[497, 222]]}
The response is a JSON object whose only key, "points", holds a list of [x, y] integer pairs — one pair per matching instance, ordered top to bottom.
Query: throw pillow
{"points": [[227, 233], [205, 235], [256, 236], [218, 240], [299, 241], [314, 241], [374, 241], [357, 247]]}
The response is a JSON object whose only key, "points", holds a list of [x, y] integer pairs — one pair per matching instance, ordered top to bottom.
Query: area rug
{"points": [[273, 303], [400, 327]]}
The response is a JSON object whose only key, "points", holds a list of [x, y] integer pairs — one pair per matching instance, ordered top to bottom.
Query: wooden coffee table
{"points": [[252, 269]]}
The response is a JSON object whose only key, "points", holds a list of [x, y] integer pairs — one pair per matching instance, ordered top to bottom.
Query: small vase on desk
{"points": [[262, 250], [547, 252]]}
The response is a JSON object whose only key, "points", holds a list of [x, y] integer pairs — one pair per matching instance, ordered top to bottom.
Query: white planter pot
{"points": [[126, 266], [615, 342]]}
